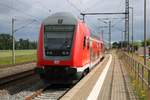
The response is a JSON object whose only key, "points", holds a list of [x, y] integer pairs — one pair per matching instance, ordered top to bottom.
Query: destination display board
{"points": [[59, 28]]}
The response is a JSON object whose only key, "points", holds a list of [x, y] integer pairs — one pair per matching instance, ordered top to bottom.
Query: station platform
{"points": [[109, 80], [117, 85]]}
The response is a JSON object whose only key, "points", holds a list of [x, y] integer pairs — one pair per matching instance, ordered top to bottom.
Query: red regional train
{"points": [[66, 49]]}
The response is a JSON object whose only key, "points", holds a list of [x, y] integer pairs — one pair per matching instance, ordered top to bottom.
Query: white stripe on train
{"points": [[88, 66]]}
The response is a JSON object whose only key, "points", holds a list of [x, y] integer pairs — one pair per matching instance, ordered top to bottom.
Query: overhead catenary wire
{"points": [[39, 2], [97, 2], [92, 5], [74, 6], [46, 10], [80, 10], [20, 11], [121, 19], [22, 20], [24, 26], [94, 28], [27, 33]]}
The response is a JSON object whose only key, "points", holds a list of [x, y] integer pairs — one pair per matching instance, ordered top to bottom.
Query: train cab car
{"points": [[65, 48]]}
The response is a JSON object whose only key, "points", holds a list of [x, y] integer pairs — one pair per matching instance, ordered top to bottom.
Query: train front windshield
{"points": [[58, 40]]}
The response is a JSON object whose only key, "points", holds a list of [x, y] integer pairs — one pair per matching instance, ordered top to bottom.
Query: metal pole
{"points": [[97, 13], [83, 17], [127, 24], [128, 28], [132, 31], [145, 32], [109, 34], [102, 35], [122, 40], [13, 41]]}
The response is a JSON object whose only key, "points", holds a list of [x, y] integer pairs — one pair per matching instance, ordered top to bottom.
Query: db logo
{"points": [[56, 61]]}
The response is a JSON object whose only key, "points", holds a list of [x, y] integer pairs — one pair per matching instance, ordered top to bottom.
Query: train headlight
{"points": [[50, 52], [63, 53], [67, 53]]}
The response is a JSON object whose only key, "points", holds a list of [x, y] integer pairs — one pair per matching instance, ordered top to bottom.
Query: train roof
{"points": [[64, 18]]}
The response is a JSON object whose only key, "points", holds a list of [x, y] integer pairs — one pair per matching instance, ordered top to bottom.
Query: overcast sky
{"points": [[27, 11]]}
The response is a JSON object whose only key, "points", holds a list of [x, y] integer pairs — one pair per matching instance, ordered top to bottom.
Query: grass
{"points": [[8, 53], [22, 56], [140, 58], [137, 85]]}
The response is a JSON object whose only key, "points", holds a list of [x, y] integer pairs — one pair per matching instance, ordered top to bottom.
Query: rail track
{"points": [[11, 78], [17, 83], [20, 85], [16, 86], [50, 92]]}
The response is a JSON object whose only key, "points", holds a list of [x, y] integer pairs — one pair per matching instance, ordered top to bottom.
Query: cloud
{"points": [[25, 11]]}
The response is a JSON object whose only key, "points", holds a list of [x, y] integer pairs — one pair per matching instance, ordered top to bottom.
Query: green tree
{"points": [[5, 41], [147, 42], [115, 45]]}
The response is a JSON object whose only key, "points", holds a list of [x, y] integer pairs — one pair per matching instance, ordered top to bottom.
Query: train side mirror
{"points": [[84, 42], [88, 43]]}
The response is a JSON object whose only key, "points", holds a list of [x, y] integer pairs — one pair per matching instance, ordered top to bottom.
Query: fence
{"points": [[140, 71]]}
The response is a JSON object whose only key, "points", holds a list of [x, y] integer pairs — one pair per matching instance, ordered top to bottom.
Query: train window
{"points": [[84, 42]]}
